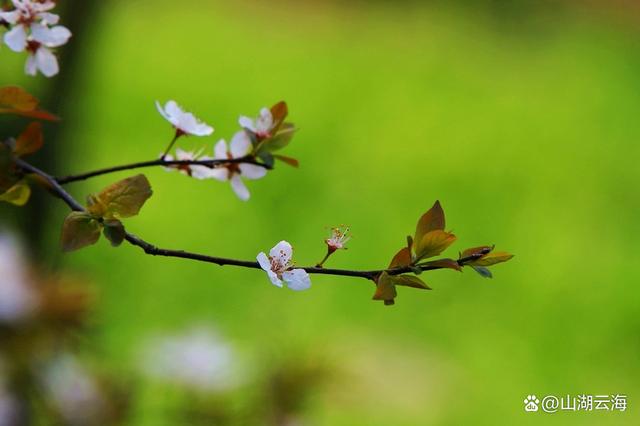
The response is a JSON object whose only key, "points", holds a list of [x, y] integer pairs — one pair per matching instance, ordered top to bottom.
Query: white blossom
{"points": [[30, 30], [184, 122], [261, 126], [239, 147], [194, 170], [278, 266], [17, 298], [198, 360], [72, 390]]}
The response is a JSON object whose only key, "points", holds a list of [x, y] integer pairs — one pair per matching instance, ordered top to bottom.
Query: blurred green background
{"points": [[520, 119]]}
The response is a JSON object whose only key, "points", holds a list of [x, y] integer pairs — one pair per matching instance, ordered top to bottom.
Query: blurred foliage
{"points": [[527, 136]]}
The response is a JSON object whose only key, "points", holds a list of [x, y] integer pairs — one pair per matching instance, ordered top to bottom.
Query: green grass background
{"points": [[527, 134]]}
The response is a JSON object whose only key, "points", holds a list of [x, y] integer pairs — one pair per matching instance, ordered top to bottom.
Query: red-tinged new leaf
{"points": [[13, 97], [16, 101], [279, 113], [30, 140], [288, 160], [18, 194], [432, 220], [79, 230], [433, 243], [476, 251], [402, 258], [492, 259], [443, 263], [409, 281], [385, 289]]}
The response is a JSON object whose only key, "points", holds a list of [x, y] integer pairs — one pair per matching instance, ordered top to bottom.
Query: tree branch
{"points": [[159, 162], [56, 189]]}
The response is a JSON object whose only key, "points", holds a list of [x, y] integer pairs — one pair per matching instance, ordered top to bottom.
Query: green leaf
{"points": [[30, 140], [279, 140], [267, 158], [18, 194], [121, 199], [432, 220], [79, 230], [114, 231], [433, 243], [492, 259], [409, 281], [385, 289]]}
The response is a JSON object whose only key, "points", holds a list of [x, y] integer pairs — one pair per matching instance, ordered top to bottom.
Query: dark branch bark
{"points": [[158, 162], [56, 189]]}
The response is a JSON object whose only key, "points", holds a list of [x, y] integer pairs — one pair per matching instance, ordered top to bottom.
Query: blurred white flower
{"points": [[30, 31], [184, 122], [261, 126], [239, 147], [194, 170], [339, 237], [278, 267], [17, 299], [198, 360], [72, 390]]}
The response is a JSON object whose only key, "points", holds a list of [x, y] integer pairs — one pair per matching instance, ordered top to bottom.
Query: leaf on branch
{"points": [[14, 100], [279, 113], [30, 140], [280, 140], [290, 161], [18, 194], [121, 199], [432, 220], [80, 229], [114, 231], [433, 243], [476, 251], [402, 258], [492, 259], [443, 263], [484, 272], [409, 281], [385, 289]]}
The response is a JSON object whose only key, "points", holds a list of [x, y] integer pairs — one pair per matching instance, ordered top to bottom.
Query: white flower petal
{"points": [[10, 17], [49, 18], [50, 37], [16, 38], [46, 62], [31, 68], [173, 111], [163, 113], [246, 123], [264, 123], [240, 144], [220, 150], [251, 171], [201, 172], [219, 173], [239, 188], [282, 252], [263, 261], [297, 280]]}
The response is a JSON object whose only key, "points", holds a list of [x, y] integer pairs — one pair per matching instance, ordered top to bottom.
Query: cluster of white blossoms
{"points": [[32, 28], [186, 124]]}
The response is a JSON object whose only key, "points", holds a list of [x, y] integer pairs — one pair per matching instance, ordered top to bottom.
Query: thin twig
{"points": [[159, 162], [56, 189]]}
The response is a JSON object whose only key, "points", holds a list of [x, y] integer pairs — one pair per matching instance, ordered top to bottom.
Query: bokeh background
{"points": [[520, 117]]}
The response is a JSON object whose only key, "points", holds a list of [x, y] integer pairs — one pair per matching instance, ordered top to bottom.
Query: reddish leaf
{"points": [[13, 97], [279, 112], [30, 140], [290, 161], [432, 220], [79, 230], [476, 251], [402, 258], [443, 263], [409, 281], [385, 289]]}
